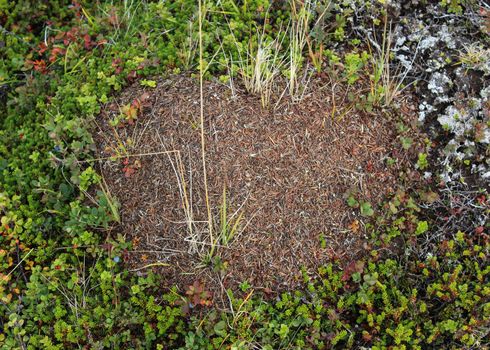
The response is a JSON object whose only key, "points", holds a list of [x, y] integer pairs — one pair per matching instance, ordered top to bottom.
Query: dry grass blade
{"points": [[298, 38], [262, 64], [387, 85], [201, 114], [185, 194], [111, 200]]}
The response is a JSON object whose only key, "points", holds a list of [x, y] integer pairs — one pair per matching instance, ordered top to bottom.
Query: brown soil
{"points": [[287, 171]]}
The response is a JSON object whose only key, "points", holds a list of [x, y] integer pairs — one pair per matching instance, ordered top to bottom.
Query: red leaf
{"points": [[87, 42], [42, 48], [54, 54], [116, 62], [40, 66], [132, 76], [145, 96], [136, 104], [369, 167], [128, 171], [481, 199], [352, 267]]}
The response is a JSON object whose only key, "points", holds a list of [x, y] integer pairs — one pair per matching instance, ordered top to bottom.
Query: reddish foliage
{"points": [[77, 8], [113, 17], [87, 42], [42, 48], [55, 52], [118, 65], [39, 66], [132, 76], [369, 167], [130, 169], [481, 199], [107, 246], [351, 268], [198, 295]]}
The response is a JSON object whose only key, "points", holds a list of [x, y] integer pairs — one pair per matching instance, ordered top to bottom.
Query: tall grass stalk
{"points": [[298, 38], [262, 63], [387, 84], [203, 142], [229, 225]]}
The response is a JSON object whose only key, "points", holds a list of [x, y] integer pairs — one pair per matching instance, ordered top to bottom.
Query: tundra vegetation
{"points": [[70, 277]]}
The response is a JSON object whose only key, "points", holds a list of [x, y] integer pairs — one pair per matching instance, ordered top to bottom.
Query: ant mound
{"points": [[278, 180]]}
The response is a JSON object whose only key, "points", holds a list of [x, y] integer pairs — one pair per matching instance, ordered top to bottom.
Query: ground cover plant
{"points": [[91, 95]]}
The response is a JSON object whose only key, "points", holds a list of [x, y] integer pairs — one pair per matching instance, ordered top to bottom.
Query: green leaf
{"points": [[149, 83], [406, 142], [422, 162], [351, 202], [366, 209], [422, 227], [105, 276], [356, 277], [371, 279], [135, 289], [220, 328], [283, 331]]}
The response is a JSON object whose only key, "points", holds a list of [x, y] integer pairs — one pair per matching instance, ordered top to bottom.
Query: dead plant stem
{"points": [[203, 144]]}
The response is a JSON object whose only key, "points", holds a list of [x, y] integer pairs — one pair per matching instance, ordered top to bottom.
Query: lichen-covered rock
{"points": [[450, 53], [446, 56], [440, 84]]}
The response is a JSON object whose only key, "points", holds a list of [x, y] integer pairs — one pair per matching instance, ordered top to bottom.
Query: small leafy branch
{"points": [[129, 113], [130, 169], [364, 206], [196, 295]]}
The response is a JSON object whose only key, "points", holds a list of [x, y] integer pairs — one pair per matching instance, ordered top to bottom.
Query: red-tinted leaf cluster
{"points": [[77, 8], [53, 47], [55, 52], [118, 65], [39, 66], [133, 75], [135, 108], [130, 168], [482, 200], [351, 268], [197, 295]]}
